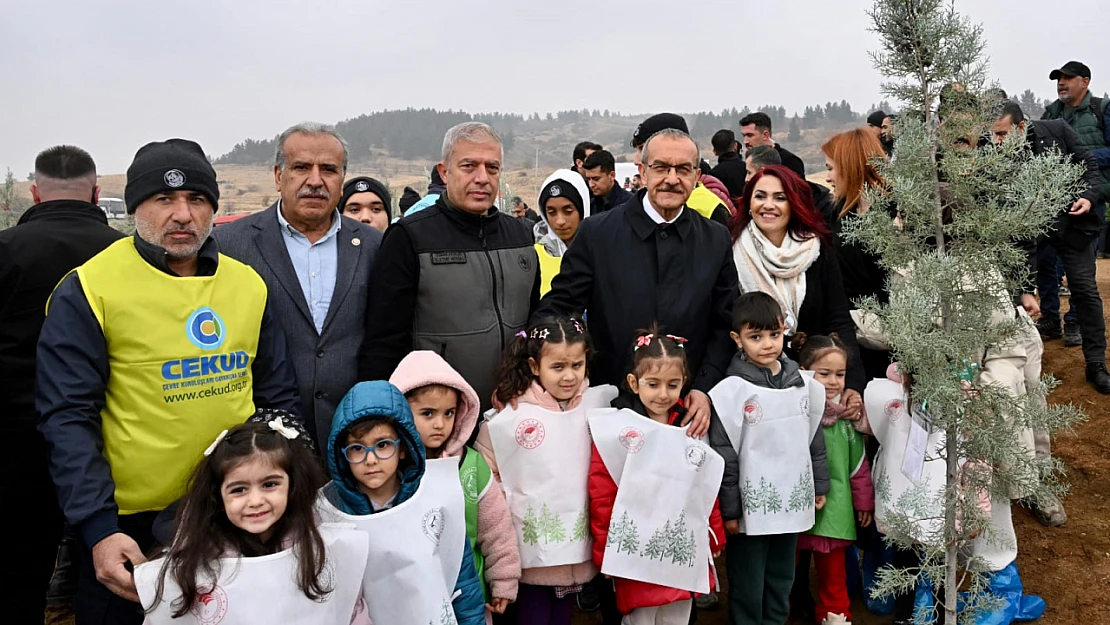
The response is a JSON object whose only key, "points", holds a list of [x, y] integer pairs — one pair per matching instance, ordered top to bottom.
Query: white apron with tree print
{"points": [[771, 430], [543, 458], [666, 486], [923, 502], [416, 549], [265, 589]]}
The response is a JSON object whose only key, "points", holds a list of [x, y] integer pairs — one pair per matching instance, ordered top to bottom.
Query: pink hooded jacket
{"points": [[496, 539], [567, 574]]}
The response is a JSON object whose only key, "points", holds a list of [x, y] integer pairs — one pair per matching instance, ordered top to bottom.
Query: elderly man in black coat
{"points": [[654, 260]]}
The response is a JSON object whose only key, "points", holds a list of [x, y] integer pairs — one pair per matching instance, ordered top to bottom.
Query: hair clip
{"points": [[576, 325], [535, 333], [522, 334], [544, 334], [677, 339], [643, 341], [278, 426], [212, 447]]}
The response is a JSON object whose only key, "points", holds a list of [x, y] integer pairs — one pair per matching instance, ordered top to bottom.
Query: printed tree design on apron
{"points": [[882, 485], [802, 496], [766, 497], [917, 502], [547, 526], [581, 527], [624, 535], [673, 541], [446, 616]]}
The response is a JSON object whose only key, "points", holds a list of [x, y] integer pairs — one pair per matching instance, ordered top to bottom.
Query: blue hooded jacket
{"points": [[382, 400]]}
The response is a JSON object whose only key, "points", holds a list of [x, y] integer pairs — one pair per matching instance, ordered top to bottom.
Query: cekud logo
{"points": [[206, 330]]}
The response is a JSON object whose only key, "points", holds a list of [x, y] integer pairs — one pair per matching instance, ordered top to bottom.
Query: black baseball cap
{"points": [[1071, 69], [656, 123]]}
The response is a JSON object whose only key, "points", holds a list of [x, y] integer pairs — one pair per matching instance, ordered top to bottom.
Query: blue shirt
{"points": [[316, 265]]}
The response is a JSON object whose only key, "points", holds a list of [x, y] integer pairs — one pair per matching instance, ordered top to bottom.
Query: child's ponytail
{"points": [[515, 375]]}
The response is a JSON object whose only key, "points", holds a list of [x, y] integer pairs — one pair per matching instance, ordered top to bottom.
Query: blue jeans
{"points": [[1050, 276]]}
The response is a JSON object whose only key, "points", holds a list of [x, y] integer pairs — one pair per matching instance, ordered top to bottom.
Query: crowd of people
{"points": [[326, 412]]}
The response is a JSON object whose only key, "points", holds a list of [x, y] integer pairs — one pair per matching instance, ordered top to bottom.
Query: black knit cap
{"points": [[876, 119], [656, 123], [167, 166], [366, 184], [561, 188], [408, 198]]}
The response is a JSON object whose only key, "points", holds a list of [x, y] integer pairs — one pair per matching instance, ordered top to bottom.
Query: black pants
{"points": [[1079, 265], [34, 521], [760, 576], [94, 603], [903, 604]]}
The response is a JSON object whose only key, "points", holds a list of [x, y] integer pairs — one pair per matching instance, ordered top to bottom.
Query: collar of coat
{"points": [[644, 227]]}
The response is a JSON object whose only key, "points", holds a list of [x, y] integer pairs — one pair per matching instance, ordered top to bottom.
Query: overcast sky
{"points": [[112, 75]]}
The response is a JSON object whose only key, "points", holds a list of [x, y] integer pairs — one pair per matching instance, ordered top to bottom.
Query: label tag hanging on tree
{"points": [[913, 461]]}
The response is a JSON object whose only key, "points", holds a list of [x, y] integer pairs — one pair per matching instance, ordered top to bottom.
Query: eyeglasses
{"points": [[682, 170], [382, 450]]}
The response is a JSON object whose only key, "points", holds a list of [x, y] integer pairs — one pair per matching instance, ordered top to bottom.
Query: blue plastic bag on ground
{"points": [[1006, 584]]}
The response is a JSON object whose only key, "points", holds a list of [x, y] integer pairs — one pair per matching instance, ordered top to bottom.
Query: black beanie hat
{"points": [[876, 119], [657, 123], [166, 166], [364, 184], [561, 188], [408, 198]]}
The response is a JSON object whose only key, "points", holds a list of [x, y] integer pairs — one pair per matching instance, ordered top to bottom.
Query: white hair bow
{"points": [[278, 426], [212, 447]]}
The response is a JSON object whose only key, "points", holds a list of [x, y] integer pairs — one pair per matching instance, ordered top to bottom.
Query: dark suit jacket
{"points": [[326, 364]]}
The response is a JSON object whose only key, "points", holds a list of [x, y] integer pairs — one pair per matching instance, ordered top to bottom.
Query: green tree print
{"points": [[882, 486], [769, 497], [801, 497], [750, 498], [581, 527], [552, 529], [531, 533], [624, 535], [657, 544], [446, 615]]}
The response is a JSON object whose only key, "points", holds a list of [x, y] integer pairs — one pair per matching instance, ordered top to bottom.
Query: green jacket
{"points": [[1085, 120]]}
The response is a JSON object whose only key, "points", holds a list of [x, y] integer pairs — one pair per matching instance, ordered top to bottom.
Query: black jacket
{"points": [[794, 163], [732, 171], [617, 196], [825, 204], [1075, 230], [50, 240], [859, 268], [628, 272], [455, 283], [825, 310], [73, 369]]}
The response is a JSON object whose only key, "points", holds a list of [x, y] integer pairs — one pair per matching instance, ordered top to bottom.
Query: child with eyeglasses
{"points": [[420, 567]]}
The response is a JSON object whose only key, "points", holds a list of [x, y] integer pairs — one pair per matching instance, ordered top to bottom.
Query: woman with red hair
{"points": [[850, 160], [782, 247]]}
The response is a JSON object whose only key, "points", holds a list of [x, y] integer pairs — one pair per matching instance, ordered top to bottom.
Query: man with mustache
{"points": [[316, 265], [459, 277], [148, 351]]}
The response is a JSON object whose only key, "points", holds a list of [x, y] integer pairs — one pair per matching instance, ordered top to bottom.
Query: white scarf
{"points": [[777, 271]]}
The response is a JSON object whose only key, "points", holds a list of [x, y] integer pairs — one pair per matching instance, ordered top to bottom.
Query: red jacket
{"points": [[632, 594]]}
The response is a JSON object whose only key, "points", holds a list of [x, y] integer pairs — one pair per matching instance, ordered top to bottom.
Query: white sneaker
{"points": [[836, 619]]}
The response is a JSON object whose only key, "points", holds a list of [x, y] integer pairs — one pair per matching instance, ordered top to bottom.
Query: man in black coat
{"points": [[756, 129], [730, 167], [64, 229], [1072, 234], [654, 260]]}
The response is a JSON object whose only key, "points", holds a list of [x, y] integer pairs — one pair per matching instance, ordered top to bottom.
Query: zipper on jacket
{"points": [[493, 282]]}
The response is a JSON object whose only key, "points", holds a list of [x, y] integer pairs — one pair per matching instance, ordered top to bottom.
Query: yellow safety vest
{"points": [[703, 201], [549, 268], [180, 352]]}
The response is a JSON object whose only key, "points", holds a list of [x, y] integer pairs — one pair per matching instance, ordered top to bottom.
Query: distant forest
{"points": [[417, 134]]}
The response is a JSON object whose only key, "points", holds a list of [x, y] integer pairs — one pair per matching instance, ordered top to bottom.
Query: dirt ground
{"points": [[1068, 566]]}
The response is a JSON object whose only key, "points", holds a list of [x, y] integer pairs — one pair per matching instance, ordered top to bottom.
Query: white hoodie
{"points": [[551, 241]]}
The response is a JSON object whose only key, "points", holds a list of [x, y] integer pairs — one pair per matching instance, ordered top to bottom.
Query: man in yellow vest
{"points": [[149, 350]]}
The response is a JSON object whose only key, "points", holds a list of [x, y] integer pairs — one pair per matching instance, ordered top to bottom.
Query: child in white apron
{"points": [[445, 408], [771, 412], [539, 447], [645, 471], [851, 497], [248, 547], [420, 567]]}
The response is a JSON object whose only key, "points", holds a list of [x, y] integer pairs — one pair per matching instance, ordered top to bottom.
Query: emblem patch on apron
{"points": [[893, 409], [753, 412], [530, 433], [632, 439], [695, 455], [433, 524], [211, 607]]}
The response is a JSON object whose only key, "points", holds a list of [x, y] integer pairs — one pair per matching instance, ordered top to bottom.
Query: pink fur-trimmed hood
{"points": [[422, 368]]}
